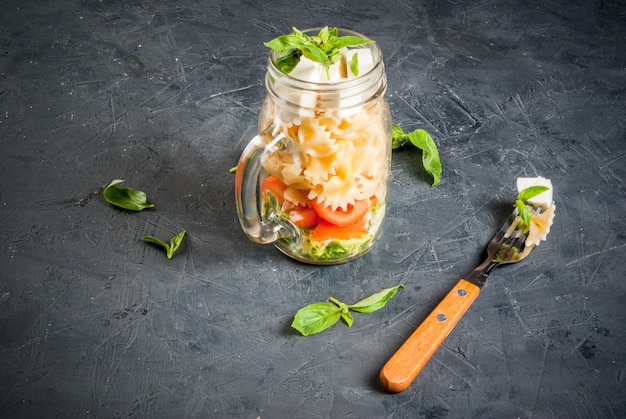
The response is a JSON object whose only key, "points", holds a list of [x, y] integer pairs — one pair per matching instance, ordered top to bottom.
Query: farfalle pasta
{"points": [[338, 157]]}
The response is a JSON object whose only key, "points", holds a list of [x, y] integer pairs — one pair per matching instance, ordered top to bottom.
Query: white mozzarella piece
{"points": [[305, 70], [308, 70]]}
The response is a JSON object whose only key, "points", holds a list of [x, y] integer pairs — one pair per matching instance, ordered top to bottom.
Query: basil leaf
{"points": [[298, 33], [333, 33], [324, 36], [350, 41], [284, 42], [277, 44], [314, 53], [288, 60], [354, 64], [398, 137], [421, 139], [430, 155], [531, 192], [127, 198], [524, 212], [175, 243], [169, 248], [375, 301], [347, 317], [315, 318]]}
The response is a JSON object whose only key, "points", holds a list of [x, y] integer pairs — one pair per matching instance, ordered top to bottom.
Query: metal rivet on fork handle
{"points": [[441, 317]]}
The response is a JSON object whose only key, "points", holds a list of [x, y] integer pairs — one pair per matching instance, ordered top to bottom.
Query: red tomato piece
{"points": [[275, 186], [304, 217], [339, 217], [327, 231]]}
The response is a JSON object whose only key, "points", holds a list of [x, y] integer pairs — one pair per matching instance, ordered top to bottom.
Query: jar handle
{"points": [[257, 228]]}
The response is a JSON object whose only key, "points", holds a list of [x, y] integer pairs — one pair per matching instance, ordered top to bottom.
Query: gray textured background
{"points": [[165, 94]]}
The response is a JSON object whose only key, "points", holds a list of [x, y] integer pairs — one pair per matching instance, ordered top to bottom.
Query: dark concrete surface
{"points": [[165, 94]]}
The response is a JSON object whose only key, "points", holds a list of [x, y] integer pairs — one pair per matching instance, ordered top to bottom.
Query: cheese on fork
{"points": [[544, 199], [540, 223]]}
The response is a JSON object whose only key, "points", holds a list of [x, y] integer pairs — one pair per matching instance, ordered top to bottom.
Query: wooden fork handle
{"points": [[402, 368]]}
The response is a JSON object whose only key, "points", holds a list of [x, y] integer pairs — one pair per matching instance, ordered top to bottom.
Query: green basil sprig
{"points": [[325, 48], [421, 139], [127, 198], [522, 199], [169, 248], [317, 317]]}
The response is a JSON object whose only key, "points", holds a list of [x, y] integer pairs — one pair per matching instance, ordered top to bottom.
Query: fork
{"points": [[507, 246]]}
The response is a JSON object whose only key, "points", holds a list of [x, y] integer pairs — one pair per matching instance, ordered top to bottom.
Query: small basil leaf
{"points": [[298, 33], [324, 35], [350, 41], [283, 43], [314, 53], [335, 56], [288, 60], [354, 64], [398, 137], [421, 139], [530, 192], [127, 198], [524, 213], [175, 243], [169, 248], [375, 301], [347, 317], [315, 318]]}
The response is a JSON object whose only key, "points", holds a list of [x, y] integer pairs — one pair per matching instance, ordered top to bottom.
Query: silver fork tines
{"points": [[513, 236], [508, 245]]}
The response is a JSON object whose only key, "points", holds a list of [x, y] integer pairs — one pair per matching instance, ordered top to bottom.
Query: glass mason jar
{"points": [[314, 181]]}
